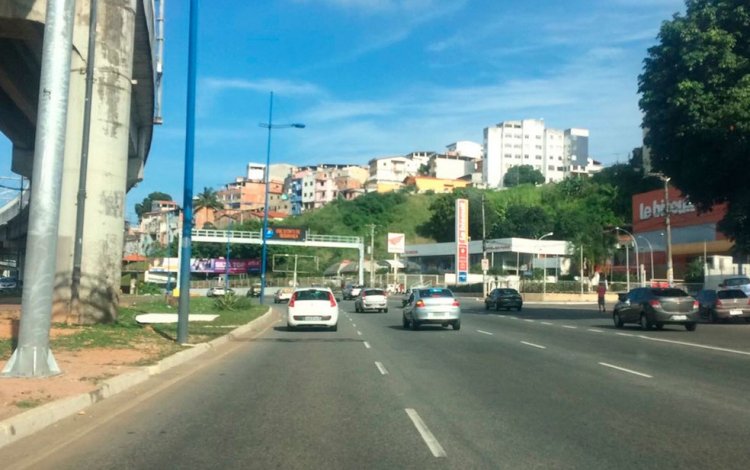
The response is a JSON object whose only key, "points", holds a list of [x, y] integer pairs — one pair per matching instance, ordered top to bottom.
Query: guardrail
{"points": [[246, 235]]}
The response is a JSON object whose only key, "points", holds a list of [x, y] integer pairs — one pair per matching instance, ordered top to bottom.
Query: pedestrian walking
{"points": [[601, 290]]}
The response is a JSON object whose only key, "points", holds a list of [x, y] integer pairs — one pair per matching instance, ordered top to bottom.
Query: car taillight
{"points": [[364, 294], [292, 299], [332, 299], [420, 303], [456, 303], [654, 303], [719, 303], [696, 304]]}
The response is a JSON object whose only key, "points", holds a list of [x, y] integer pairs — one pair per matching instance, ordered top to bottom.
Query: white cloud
{"points": [[282, 87]]}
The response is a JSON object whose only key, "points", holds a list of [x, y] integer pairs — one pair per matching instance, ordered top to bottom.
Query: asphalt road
{"points": [[549, 387]]}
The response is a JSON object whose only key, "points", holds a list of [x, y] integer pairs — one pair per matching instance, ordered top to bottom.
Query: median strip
{"points": [[626, 370], [429, 439]]}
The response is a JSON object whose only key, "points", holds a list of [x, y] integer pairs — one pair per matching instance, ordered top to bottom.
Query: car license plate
{"points": [[735, 312], [679, 317], [312, 318]]}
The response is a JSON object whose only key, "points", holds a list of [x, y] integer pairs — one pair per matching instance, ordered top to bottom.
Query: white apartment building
{"points": [[529, 142], [465, 148]]}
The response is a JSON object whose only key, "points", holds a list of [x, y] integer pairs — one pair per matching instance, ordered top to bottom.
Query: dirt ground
{"points": [[81, 370]]}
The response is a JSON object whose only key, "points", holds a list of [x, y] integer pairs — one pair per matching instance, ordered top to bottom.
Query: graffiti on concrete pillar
{"points": [[113, 203]]}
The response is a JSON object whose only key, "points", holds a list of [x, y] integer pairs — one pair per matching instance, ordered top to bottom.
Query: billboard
{"points": [[297, 234], [462, 241], [396, 243], [219, 265]]}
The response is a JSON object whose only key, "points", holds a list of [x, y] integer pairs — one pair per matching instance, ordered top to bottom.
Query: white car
{"points": [[218, 291], [283, 294], [371, 299], [312, 306]]}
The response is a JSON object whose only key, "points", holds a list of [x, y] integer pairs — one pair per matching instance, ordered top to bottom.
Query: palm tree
{"points": [[208, 199]]}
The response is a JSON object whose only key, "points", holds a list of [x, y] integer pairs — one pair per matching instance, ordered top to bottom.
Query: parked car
{"points": [[737, 282], [8, 283], [219, 290], [351, 291], [283, 294], [503, 298], [371, 299], [724, 304], [432, 305], [312, 306], [656, 307]]}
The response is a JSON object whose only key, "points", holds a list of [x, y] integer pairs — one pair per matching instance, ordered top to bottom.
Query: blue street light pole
{"points": [[264, 233]]}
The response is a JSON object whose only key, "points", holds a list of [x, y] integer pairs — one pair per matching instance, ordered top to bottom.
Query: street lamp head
{"points": [[548, 234]]}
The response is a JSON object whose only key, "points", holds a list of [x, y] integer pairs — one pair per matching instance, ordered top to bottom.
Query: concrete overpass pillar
{"points": [[107, 165]]}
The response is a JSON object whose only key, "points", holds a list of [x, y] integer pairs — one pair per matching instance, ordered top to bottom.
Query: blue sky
{"points": [[372, 78]]}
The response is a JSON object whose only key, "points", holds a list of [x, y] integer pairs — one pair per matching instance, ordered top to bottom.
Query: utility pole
{"points": [[667, 222], [484, 253], [372, 254]]}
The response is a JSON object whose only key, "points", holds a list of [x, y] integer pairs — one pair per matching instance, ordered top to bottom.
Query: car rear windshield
{"points": [[737, 281], [507, 291], [374, 292], [669, 292], [435, 293], [312, 294], [731, 294]]}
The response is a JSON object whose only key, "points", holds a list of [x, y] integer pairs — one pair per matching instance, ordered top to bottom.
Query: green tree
{"points": [[695, 96], [522, 174], [627, 179], [208, 199], [145, 205], [522, 221]]}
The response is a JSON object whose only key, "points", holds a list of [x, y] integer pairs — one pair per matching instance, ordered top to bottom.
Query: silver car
{"points": [[371, 299], [432, 305]]}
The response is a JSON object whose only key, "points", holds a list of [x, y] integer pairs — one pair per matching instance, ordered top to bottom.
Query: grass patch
{"points": [[159, 339], [6, 349], [28, 403]]}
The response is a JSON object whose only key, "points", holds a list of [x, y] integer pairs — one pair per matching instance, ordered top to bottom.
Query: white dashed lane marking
{"points": [[641, 374], [429, 439]]}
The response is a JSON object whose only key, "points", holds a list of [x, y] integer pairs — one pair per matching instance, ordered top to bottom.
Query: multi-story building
{"points": [[465, 148], [555, 153], [388, 173], [423, 184], [159, 226]]}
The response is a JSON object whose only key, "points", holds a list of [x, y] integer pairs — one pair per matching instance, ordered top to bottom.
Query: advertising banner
{"points": [[297, 234], [462, 241], [396, 243], [219, 265]]}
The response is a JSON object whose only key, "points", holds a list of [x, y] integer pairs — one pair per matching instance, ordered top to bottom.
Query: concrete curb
{"points": [[31, 421]]}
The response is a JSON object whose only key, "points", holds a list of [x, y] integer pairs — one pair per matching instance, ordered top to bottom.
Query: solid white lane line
{"points": [[530, 321], [546, 323], [570, 327], [595, 330], [485, 332], [359, 333], [624, 334], [367, 345], [534, 345], [714, 348], [381, 368], [626, 370], [429, 439]]}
